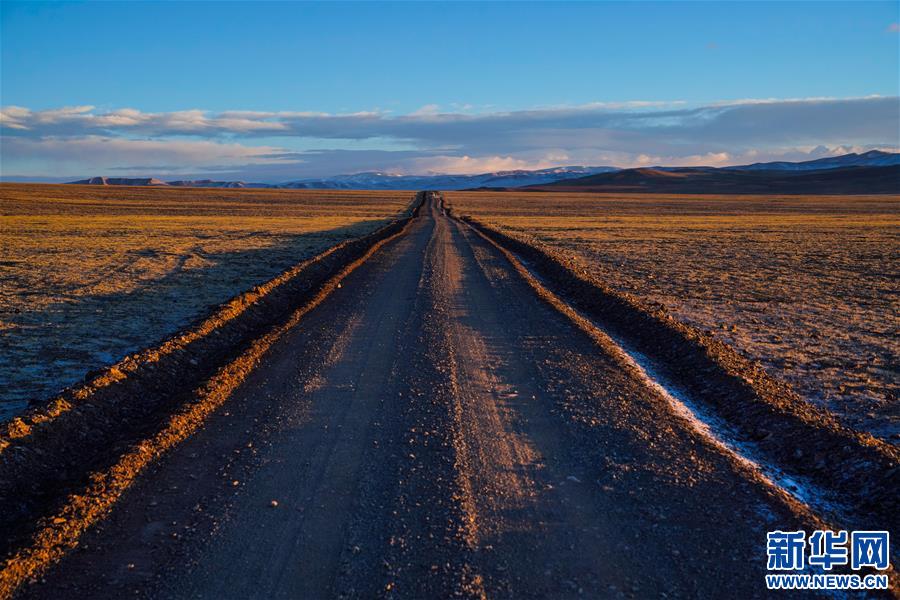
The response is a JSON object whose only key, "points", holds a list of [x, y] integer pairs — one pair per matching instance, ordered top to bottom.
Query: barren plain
{"points": [[91, 273], [806, 285], [416, 415]]}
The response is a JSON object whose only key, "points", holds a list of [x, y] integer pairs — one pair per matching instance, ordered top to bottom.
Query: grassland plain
{"points": [[89, 274], [806, 285]]}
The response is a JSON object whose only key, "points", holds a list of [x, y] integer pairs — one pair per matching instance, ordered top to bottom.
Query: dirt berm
{"points": [[56, 451], [857, 470]]}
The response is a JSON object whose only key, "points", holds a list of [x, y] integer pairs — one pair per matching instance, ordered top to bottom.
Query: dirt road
{"points": [[436, 429]]}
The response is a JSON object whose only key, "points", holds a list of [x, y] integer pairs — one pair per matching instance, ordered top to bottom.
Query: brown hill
{"points": [[707, 180]]}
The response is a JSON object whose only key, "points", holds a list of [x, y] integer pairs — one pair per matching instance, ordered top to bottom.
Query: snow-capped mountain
{"points": [[873, 158]]}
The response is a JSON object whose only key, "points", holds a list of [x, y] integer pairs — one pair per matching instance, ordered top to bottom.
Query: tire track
{"points": [[805, 443], [60, 532]]}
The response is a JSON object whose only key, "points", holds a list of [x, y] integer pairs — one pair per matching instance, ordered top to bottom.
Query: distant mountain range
{"points": [[873, 158], [689, 180], [844, 180], [144, 181], [380, 181], [383, 181], [153, 182], [209, 183]]}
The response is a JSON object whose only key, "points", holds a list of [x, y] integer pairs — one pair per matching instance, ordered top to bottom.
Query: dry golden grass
{"points": [[90, 273], [808, 286]]}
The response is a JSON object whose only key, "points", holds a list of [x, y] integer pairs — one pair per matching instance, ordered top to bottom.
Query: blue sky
{"points": [[282, 90]]}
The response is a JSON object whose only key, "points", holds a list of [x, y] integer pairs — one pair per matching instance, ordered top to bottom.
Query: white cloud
{"points": [[427, 110], [749, 121], [602, 133], [92, 154], [471, 165]]}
